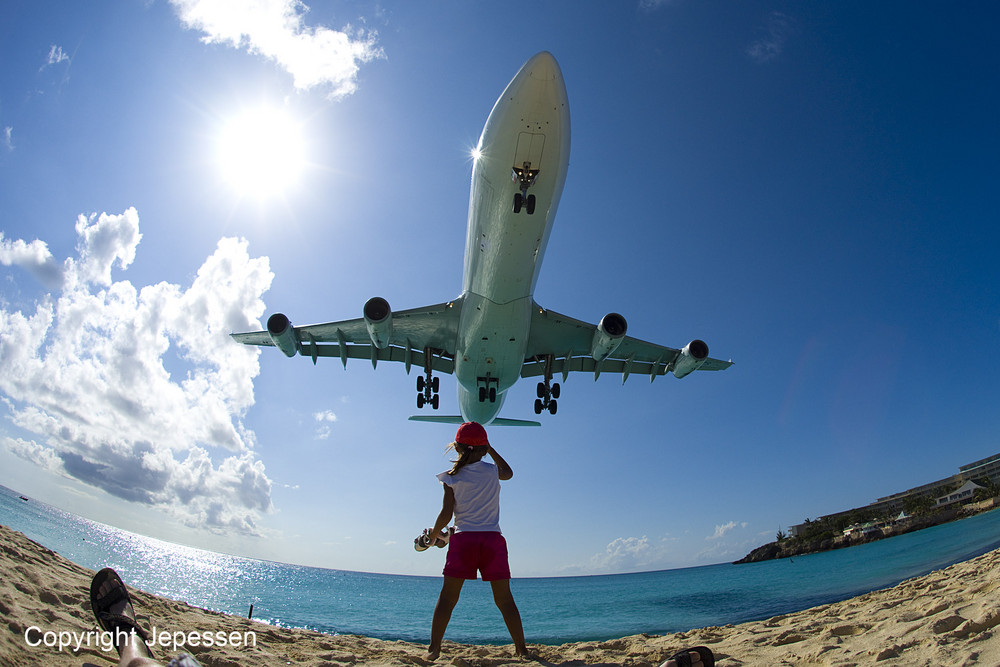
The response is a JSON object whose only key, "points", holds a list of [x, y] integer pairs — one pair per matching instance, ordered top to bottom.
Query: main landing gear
{"points": [[525, 177], [427, 384], [488, 389], [547, 391]]}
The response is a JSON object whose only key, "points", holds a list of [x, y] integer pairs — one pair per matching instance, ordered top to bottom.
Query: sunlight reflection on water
{"points": [[554, 610]]}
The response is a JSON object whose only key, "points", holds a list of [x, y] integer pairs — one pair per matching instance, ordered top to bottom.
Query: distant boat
{"points": [[24, 499]]}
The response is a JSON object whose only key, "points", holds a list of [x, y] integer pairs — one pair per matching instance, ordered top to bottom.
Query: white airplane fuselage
{"points": [[504, 248], [485, 335]]}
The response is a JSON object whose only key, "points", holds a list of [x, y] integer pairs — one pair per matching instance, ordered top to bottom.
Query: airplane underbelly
{"points": [[492, 345]]}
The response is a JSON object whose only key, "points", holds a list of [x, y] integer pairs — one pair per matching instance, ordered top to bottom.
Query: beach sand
{"points": [[948, 617]]}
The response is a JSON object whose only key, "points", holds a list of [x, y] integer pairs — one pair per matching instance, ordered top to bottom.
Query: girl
{"points": [[472, 495]]}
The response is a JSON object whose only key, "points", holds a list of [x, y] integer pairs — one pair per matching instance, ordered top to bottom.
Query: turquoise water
{"points": [[554, 610]]}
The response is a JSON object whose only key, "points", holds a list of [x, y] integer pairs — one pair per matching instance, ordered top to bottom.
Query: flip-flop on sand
{"points": [[102, 603], [683, 658]]}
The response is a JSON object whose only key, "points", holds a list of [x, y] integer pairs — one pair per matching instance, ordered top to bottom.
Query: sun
{"points": [[262, 152]]}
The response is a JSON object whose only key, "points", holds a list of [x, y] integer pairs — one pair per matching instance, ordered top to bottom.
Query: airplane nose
{"points": [[543, 67]]}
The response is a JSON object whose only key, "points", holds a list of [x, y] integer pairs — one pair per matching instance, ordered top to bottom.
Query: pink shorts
{"points": [[482, 551]]}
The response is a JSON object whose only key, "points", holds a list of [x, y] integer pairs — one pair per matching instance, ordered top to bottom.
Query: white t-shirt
{"points": [[477, 497]]}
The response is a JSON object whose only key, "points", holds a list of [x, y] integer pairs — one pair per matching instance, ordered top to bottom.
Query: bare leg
{"points": [[450, 591], [504, 600], [135, 654]]}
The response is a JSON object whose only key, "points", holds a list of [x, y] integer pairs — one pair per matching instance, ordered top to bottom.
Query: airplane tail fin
{"points": [[499, 421]]}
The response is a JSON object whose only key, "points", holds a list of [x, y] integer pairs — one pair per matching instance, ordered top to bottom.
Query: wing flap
{"points": [[409, 356]]}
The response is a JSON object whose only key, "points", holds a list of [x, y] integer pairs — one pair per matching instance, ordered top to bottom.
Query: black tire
{"points": [[518, 202], [530, 204], [420, 383], [435, 384], [540, 390], [555, 390], [482, 394], [493, 394], [420, 401], [435, 401], [538, 406], [553, 406]]}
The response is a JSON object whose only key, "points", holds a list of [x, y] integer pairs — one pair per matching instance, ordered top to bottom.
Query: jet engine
{"points": [[378, 320], [282, 334], [609, 335], [691, 358]]}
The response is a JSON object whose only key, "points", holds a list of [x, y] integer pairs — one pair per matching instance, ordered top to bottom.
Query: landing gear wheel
{"points": [[518, 202], [530, 204], [427, 384], [547, 390], [482, 394], [493, 394]]}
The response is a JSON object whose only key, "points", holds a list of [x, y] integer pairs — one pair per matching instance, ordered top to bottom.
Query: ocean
{"points": [[554, 610]]}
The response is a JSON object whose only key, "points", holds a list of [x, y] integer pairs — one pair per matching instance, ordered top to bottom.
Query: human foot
{"points": [[112, 606]]}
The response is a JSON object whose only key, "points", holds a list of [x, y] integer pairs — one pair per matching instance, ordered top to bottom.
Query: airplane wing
{"points": [[409, 336], [565, 345]]}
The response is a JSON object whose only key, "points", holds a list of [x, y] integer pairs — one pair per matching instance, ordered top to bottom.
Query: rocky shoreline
{"points": [[827, 541]]}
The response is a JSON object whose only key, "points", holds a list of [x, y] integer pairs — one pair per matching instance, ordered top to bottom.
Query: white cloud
{"points": [[778, 28], [56, 55], [314, 56], [8, 137], [111, 238], [34, 258], [85, 375], [325, 416], [30, 450], [725, 528], [624, 554], [634, 554]]}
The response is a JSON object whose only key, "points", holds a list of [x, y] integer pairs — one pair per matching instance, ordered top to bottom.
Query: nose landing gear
{"points": [[525, 177]]}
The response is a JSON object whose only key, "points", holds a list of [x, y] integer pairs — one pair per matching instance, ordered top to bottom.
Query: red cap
{"points": [[472, 434]]}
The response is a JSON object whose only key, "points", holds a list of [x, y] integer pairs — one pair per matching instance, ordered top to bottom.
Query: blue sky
{"points": [[808, 187]]}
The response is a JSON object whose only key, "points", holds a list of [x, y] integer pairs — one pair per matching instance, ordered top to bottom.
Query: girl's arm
{"points": [[503, 468], [447, 511]]}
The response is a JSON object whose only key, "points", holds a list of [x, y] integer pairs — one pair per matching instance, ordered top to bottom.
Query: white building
{"points": [[964, 492]]}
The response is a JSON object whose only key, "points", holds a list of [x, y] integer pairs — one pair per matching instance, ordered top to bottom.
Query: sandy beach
{"points": [[948, 617]]}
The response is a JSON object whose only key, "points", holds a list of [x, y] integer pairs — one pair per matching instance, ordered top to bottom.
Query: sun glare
{"points": [[261, 152]]}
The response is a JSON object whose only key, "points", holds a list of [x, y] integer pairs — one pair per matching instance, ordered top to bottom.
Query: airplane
{"points": [[495, 333]]}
